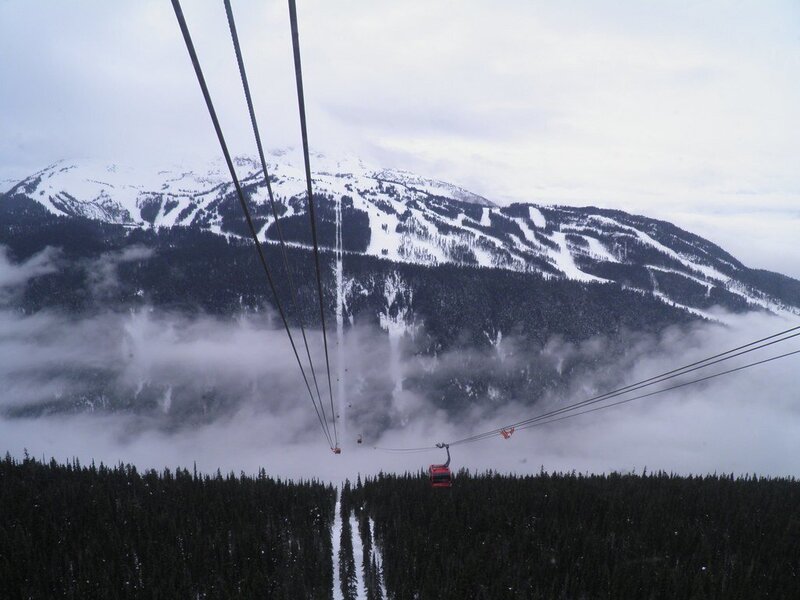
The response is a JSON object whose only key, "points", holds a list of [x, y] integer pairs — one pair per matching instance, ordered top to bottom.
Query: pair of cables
{"points": [[601, 401], [317, 402], [570, 410]]}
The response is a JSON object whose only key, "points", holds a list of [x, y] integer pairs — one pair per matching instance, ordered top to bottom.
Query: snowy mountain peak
{"points": [[398, 216]]}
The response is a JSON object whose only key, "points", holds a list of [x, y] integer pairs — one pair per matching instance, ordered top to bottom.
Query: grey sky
{"points": [[684, 110]]}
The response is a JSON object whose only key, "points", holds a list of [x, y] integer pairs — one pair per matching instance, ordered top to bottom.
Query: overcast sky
{"points": [[684, 110]]}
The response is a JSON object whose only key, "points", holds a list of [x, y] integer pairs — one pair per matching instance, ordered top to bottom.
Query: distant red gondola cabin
{"points": [[440, 474]]}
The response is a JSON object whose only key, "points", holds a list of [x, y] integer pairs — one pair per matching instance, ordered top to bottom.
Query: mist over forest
{"points": [[160, 388]]}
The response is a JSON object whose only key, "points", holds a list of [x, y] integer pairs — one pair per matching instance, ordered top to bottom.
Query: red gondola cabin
{"points": [[440, 474]]}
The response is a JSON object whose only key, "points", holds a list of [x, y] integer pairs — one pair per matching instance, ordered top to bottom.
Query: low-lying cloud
{"points": [[14, 274], [226, 393]]}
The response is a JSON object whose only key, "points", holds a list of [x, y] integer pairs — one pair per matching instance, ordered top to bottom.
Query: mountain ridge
{"points": [[401, 217], [467, 297]]}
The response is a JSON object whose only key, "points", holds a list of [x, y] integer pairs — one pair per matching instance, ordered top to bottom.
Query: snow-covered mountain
{"points": [[398, 216], [435, 267]]}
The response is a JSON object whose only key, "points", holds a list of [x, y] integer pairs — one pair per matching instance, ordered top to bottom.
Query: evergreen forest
{"points": [[74, 531], [578, 536]]}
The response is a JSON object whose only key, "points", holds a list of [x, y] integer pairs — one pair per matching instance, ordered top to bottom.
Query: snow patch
{"points": [[537, 217], [598, 251], [562, 258], [336, 536], [376, 551], [358, 555]]}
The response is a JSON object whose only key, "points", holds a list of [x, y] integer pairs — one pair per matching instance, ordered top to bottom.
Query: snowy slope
{"points": [[399, 216]]}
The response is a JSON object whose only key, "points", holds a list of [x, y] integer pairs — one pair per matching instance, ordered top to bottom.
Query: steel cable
{"points": [[257, 135], [240, 194], [311, 213], [697, 365], [674, 387]]}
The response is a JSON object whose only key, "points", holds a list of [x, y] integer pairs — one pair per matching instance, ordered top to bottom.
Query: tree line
{"points": [[76, 531], [585, 536]]}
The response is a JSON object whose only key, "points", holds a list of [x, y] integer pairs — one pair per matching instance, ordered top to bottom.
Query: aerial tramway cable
{"points": [[304, 133], [257, 135], [240, 194], [695, 366], [684, 370], [661, 391], [572, 410], [405, 450]]}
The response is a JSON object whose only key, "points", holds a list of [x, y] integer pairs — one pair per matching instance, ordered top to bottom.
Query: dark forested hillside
{"points": [[108, 267], [188, 269], [433, 310], [68, 531], [98, 532], [572, 536]]}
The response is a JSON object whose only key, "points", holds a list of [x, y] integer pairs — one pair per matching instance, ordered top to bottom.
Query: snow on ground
{"points": [[433, 187], [119, 194], [537, 217], [527, 231], [384, 240], [520, 245], [598, 250], [483, 256], [565, 263], [706, 270], [704, 282], [734, 287], [695, 311], [336, 533], [376, 551], [358, 555]]}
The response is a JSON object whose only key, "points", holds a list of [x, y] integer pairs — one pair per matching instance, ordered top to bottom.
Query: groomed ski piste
{"points": [[411, 219], [336, 536], [357, 543]]}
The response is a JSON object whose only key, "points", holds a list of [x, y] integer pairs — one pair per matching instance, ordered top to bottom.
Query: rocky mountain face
{"points": [[469, 295]]}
